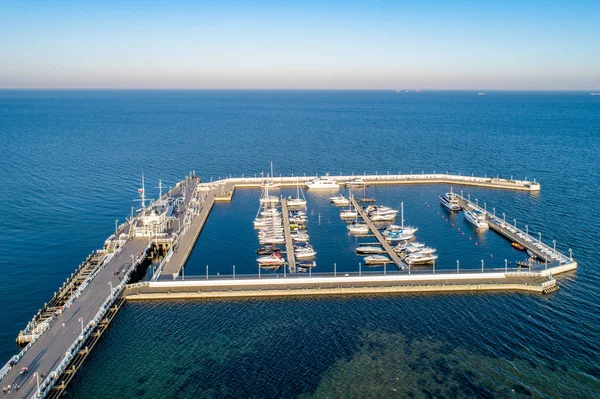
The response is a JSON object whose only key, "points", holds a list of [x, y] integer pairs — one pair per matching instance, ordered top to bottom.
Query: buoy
{"points": [[452, 224], [459, 229], [463, 233], [470, 238], [476, 243], [491, 256]]}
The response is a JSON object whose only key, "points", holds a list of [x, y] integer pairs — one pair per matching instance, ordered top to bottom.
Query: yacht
{"points": [[356, 182], [322, 183], [339, 200], [298, 201], [450, 201], [380, 213], [348, 214], [476, 218], [358, 228], [396, 235], [299, 237], [403, 247], [369, 249], [268, 250], [423, 251], [304, 252], [273, 259], [420, 259], [377, 260]]}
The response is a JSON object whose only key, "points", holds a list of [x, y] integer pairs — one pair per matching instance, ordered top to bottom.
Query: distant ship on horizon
{"points": [[408, 90], [595, 94]]}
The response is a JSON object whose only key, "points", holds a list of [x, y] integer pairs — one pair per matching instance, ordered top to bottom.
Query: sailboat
{"points": [[271, 184], [297, 201], [403, 233]]}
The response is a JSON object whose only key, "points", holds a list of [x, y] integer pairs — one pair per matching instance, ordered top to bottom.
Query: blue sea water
{"points": [[71, 163]]}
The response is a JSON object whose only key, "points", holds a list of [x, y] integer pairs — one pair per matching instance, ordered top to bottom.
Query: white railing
{"points": [[46, 385]]}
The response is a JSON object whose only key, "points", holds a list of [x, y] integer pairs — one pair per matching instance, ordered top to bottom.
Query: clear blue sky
{"points": [[368, 44]]}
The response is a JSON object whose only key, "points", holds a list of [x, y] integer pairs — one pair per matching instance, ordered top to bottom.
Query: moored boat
{"points": [[322, 183], [450, 201], [476, 218]]}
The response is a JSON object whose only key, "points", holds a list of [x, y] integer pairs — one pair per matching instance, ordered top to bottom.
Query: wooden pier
{"points": [[289, 245], [386, 246]]}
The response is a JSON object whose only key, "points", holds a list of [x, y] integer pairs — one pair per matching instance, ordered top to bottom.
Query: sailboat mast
{"points": [[142, 192], [402, 213]]}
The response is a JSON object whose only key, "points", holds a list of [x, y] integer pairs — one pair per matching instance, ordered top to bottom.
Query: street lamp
{"points": [[477, 201], [494, 211], [504, 217], [515, 221], [116, 226], [527, 230], [540, 235], [554, 242], [570, 254], [481, 265], [505, 265], [457, 266], [359, 268], [234, 271], [207, 272]]}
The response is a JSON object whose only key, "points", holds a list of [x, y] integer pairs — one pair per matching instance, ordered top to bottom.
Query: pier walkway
{"points": [[186, 237], [289, 245], [387, 247], [550, 256], [340, 284], [48, 351]]}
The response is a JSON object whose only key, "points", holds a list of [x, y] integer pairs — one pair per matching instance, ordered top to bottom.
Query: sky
{"points": [[254, 44]]}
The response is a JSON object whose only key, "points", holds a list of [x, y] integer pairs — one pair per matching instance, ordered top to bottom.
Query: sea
{"points": [[71, 163]]}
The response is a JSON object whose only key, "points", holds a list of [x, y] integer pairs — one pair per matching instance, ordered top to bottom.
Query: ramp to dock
{"points": [[289, 245], [387, 247]]}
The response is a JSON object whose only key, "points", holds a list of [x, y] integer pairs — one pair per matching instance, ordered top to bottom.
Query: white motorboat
{"points": [[356, 182], [322, 183], [339, 200], [450, 201], [348, 214], [476, 218], [358, 228], [397, 235], [299, 237], [272, 241], [402, 247], [369, 249], [422, 251], [304, 252], [273, 259], [420, 259], [377, 260]]}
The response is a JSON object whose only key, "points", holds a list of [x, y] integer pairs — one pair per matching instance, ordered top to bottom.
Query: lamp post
{"points": [[469, 196], [477, 201], [485, 206], [494, 211], [504, 217], [515, 223], [527, 230], [540, 235], [554, 242], [570, 254], [481, 265], [457, 266], [505, 266], [359, 269], [334, 270], [258, 271], [207, 272]]}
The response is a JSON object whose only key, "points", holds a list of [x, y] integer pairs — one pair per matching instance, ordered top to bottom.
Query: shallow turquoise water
{"points": [[72, 161]]}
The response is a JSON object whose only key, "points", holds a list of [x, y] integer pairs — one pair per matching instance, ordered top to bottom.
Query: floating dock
{"points": [[386, 246]]}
